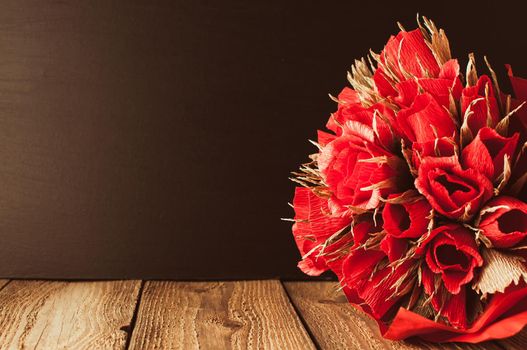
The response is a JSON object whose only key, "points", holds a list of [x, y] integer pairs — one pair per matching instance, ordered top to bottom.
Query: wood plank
{"points": [[3, 283], [71, 315], [217, 315], [335, 324]]}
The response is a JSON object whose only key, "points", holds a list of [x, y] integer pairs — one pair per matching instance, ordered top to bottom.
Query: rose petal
{"points": [[409, 52], [479, 109], [425, 120], [441, 147], [486, 153], [452, 191], [406, 220], [505, 226], [312, 227], [394, 248], [451, 251]]}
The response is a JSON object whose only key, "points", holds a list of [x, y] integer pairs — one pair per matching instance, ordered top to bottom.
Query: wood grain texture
{"points": [[3, 283], [66, 315], [217, 315], [335, 324]]}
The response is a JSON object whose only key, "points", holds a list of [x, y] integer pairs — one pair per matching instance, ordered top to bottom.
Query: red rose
{"points": [[406, 54], [407, 66], [519, 85], [446, 86], [443, 88], [347, 99], [482, 105], [378, 115], [425, 120], [518, 121], [324, 137], [441, 147], [486, 153], [358, 172], [517, 184], [453, 192], [408, 219], [505, 223], [313, 226], [451, 253], [368, 281], [376, 292]]}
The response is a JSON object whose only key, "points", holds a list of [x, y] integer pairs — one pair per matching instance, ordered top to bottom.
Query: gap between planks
{"points": [[3, 283], [264, 314], [66, 315], [162, 315], [188, 315], [336, 324]]}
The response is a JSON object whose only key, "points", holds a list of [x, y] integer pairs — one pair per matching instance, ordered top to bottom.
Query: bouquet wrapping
{"points": [[416, 198]]}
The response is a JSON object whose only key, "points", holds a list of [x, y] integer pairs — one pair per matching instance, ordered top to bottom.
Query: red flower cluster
{"points": [[416, 198]]}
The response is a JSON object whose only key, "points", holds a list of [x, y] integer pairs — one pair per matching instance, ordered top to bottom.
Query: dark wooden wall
{"points": [[153, 139]]}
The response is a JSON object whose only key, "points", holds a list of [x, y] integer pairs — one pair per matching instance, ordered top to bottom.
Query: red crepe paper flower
{"points": [[405, 55], [408, 55], [407, 66], [480, 105], [376, 118], [425, 120], [439, 147], [489, 151], [357, 171], [452, 191], [416, 198], [407, 219], [504, 222], [313, 227], [451, 254], [368, 284]]}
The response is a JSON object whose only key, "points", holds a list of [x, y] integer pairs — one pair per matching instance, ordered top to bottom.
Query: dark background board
{"points": [[154, 139]]}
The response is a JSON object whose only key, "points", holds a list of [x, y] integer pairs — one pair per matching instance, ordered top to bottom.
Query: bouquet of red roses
{"points": [[416, 199]]}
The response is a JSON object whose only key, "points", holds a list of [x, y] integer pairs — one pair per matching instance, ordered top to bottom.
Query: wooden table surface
{"points": [[265, 314]]}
